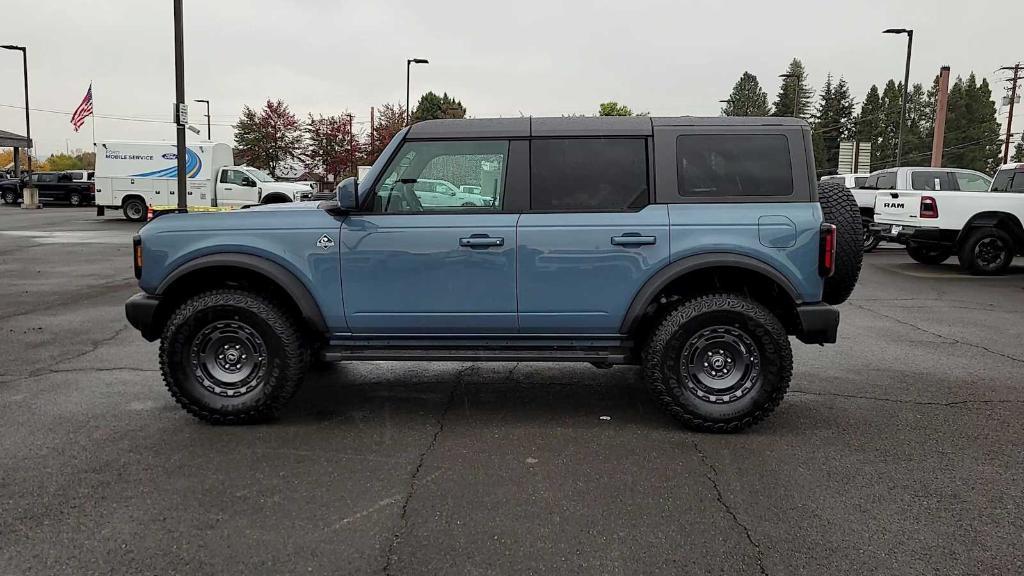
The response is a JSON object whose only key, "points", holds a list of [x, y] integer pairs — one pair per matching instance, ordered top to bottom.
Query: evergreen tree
{"points": [[747, 98], [784, 101], [431, 107], [613, 108], [833, 122], [867, 122], [972, 131], [917, 140], [883, 147], [1018, 151]]}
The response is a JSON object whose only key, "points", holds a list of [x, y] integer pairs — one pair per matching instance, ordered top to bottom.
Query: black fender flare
{"points": [[275, 198], [991, 218], [284, 278], [655, 284]]}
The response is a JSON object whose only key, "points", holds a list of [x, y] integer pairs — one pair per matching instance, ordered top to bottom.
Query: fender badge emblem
{"points": [[325, 242]]}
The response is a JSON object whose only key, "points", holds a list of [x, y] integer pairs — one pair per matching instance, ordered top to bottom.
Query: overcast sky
{"points": [[541, 58]]}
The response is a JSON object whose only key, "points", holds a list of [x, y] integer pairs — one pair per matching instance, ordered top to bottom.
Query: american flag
{"points": [[83, 111]]}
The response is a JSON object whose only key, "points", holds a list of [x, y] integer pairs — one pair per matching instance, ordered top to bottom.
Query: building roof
{"points": [[577, 126], [12, 140]]}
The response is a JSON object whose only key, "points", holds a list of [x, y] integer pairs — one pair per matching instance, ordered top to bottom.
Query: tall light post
{"points": [[408, 65], [906, 88], [796, 91], [207, 102], [180, 109], [28, 125]]}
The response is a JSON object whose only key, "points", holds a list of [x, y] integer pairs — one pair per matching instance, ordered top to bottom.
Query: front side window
{"points": [[724, 165], [588, 174], [259, 175], [444, 176], [232, 177], [930, 180], [1010, 180], [970, 182]]}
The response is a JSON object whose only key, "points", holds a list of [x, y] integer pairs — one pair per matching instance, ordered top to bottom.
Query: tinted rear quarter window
{"points": [[730, 165], [588, 174], [930, 180], [859, 181], [883, 181], [1008, 181]]}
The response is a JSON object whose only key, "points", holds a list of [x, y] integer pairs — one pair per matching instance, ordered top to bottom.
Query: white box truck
{"points": [[131, 176]]}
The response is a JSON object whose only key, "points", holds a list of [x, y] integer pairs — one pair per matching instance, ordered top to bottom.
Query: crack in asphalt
{"points": [[85, 295], [950, 339], [92, 347], [83, 370], [901, 401], [712, 477], [403, 521]]}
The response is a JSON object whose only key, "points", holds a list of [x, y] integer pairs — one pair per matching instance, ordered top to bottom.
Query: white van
{"points": [[131, 176]]}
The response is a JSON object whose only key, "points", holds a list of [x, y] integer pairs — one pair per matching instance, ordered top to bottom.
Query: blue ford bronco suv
{"points": [[693, 247]]}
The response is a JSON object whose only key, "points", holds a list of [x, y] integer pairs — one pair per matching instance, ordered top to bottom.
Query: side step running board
{"points": [[338, 354]]}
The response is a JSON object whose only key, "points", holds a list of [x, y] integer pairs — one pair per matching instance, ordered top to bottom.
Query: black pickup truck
{"points": [[52, 186]]}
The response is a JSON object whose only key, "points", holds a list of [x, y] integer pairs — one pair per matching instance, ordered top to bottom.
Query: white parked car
{"points": [[441, 193], [949, 212]]}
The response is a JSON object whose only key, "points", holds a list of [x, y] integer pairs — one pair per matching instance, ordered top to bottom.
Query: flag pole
{"points": [[93, 117]]}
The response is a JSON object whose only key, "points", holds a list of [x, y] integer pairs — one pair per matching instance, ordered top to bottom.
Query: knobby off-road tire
{"points": [[839, 208], [986, 252], [929, 255], [230, 356], [754, 363]]}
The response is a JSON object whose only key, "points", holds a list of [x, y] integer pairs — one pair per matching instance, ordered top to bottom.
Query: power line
{"points": [[129, 118]]}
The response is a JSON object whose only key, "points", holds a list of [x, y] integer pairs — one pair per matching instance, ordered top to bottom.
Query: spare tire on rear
{"points": [[839, 208]]}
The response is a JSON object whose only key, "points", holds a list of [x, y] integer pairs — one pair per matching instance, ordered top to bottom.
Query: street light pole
{"points": [[408, 64], [906, 87], [179, 100], [207, 102], [28, 124]]}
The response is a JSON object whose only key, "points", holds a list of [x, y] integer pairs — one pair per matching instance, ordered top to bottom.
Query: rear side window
{"points": [[723, 165], [587, 174], [930, 180], [859, 181], [881, 181], [1008, 181], [970, 182]]}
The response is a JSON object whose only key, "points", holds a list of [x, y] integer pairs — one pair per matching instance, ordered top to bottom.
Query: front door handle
{"points": [[634, 240], [481, 241]]}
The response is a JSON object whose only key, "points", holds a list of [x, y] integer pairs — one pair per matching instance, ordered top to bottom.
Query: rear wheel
{"points": [[10, 197], [839, 208], [134, 209], [871, 239], [986, 252], [929, 255], [232, 357], [718, 363]]}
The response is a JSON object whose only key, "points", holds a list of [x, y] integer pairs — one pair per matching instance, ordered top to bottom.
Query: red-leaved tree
{"points": [[390, 119], [270, 138], [331, 147]]}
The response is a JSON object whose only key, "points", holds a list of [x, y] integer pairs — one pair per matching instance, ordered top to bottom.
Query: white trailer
{"points": [[131, 176]]}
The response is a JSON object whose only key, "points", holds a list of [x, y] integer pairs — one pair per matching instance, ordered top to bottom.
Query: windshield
{"points": [[258, 174]]}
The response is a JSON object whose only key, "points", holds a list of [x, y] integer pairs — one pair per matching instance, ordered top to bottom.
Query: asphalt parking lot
{"points": [[898, 450]]}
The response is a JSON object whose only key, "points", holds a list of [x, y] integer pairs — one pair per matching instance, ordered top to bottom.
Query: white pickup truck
{"points": [[949, 211]]}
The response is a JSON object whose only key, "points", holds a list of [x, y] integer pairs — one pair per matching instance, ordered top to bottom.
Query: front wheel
{"points": [[10, 197], [75, 199], [986, 252], [929, 255], [232, 357], [718, 363]]}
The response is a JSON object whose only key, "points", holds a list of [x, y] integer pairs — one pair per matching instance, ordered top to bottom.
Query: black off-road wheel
{"points": [[839, 208], [134, 209], [986, 252], [929, 255], [232, 357], [718, 363]]}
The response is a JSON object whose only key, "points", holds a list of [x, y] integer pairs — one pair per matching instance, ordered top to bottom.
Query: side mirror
{"points": [[247, 181], [347, 195]]}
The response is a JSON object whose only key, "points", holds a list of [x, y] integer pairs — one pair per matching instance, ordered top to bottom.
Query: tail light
{"points": [[929, 207], [827, 250], [137, 255]]}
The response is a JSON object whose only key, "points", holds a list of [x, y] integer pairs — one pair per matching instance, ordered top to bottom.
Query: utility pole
{"points": [[1017, 70], [906, 87], [207, 102], [180, 109], [372, 126], [939, 133]]}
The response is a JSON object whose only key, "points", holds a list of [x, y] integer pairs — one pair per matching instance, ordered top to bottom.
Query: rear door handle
{"points": [[634, 240], [481, 241]]}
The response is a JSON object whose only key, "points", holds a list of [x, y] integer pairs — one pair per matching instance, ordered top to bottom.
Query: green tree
{"points": [[788, 96], [747, 98], [432, 107], [615, 109], [832, 122], [867, 122], [917, 133], [972, 137], [270, 138], [883, 147], [1018, 151], [59, 162]]}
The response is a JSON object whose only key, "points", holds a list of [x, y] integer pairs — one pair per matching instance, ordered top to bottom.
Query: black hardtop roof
{"points": [[578, 126]]}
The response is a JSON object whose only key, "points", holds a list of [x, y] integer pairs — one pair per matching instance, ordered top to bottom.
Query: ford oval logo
{"points": [[170, 156]]}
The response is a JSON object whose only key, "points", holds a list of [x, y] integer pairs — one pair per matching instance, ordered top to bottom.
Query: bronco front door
{"points": [[415, 267]]}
